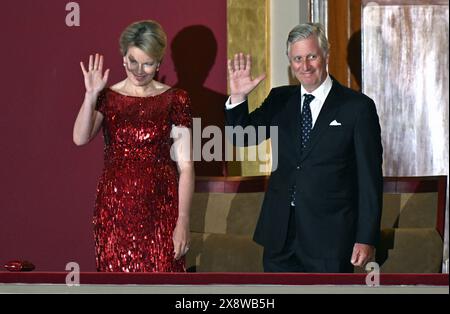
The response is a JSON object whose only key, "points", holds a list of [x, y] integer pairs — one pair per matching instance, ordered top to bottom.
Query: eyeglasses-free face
{"points": [[308, 63], [134, 66], [140, 67]]}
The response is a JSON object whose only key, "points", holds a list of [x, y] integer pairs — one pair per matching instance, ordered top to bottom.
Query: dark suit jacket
{"points": [[338, 177]]}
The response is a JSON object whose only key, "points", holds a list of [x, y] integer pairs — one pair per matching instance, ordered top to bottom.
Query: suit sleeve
{"points": [[257, 121], [369, 157]]}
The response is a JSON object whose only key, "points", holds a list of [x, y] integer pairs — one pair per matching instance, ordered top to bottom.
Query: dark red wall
{"points": [[47, 183]]}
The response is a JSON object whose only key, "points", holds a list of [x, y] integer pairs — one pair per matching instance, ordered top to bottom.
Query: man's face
{"points": [[308, 63]]}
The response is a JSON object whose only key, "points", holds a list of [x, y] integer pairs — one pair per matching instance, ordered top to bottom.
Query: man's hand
{"points": [[239, 75], [362, 254]]}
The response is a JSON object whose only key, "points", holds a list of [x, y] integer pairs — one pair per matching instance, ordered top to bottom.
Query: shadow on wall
{"points": [[194, 51], [354, 57]]}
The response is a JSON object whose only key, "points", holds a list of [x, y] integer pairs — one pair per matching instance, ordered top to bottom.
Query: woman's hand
{"points": [[239, 75], [94, 79], [181, 238]]}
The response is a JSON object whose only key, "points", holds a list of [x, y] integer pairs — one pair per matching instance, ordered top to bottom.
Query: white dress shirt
{"points": [[320, 95]]}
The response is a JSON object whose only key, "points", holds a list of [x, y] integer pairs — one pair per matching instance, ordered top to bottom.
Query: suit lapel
{"points": [[326, 115], [293, 118]]}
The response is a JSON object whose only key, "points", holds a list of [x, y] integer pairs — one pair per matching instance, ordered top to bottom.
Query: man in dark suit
{"points": [[322, 210]]}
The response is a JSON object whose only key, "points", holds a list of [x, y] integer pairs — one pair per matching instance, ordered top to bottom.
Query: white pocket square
{"points": [[335, 123]]}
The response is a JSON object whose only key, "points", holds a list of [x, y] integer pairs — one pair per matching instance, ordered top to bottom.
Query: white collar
{"points": [[320, 93]]}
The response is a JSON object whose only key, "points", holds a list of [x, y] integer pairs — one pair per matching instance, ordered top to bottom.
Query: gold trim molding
{"points": [[248, 26]]}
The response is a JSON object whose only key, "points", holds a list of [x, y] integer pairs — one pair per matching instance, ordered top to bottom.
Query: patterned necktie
{"points": [[306, 120], [306, 127]]}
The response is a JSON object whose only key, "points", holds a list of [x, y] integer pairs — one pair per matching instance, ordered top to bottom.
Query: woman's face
{"points": [[140, 68]]}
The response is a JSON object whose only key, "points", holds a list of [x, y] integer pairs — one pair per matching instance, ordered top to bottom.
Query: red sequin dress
{"points": [[136, 208]]}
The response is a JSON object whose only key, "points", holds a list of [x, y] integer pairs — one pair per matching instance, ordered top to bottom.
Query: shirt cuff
{"points": [[229, 105]]}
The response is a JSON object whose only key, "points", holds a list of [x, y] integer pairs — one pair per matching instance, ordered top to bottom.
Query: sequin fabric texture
{"points": [[136, 207]]}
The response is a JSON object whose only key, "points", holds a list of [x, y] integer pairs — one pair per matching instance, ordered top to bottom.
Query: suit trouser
{"points": [[290, 259]]}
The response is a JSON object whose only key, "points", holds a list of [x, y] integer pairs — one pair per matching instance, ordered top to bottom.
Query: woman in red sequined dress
{"points": [[141, 217]]}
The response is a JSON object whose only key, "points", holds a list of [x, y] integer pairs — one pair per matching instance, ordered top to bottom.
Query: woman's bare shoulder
{"points": [[118, 87]]}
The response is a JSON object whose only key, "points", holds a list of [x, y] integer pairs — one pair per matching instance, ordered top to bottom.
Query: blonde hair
{"points": [[148, 36]]}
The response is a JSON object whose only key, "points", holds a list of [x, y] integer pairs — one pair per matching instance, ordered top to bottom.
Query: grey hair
{"points": [[304, 31], [148, 36]]}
